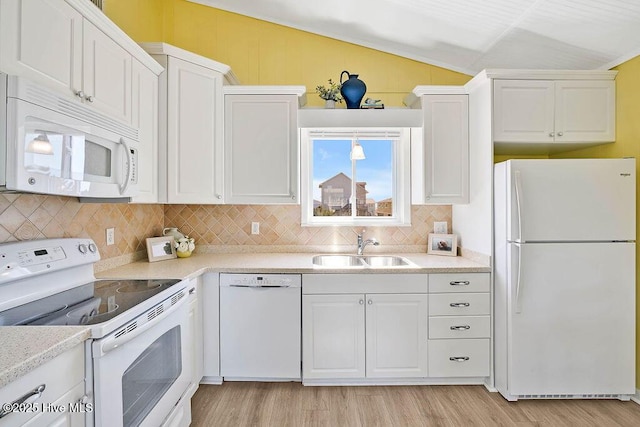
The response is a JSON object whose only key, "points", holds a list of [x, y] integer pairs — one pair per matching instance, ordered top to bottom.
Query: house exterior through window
{"points": [[340, 189]]}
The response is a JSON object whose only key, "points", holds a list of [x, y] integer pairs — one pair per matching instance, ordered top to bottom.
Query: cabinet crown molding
{"points": [[160, 48], [498, 73], [549, 74], [299, 91], [413, 100]]}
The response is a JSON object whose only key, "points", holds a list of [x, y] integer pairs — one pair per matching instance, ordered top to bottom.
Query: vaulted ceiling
{"points": [[468, 35]]}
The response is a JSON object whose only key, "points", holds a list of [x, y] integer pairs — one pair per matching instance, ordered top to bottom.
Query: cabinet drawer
{"points": [[459, 282], [459, 304], [459, 327], [459, 358], [58, 375]]}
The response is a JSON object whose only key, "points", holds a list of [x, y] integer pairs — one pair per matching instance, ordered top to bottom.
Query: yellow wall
{"points": [[261, 53]]}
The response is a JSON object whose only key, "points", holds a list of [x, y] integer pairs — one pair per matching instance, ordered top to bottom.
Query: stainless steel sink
{"points": [[338, 261], [360, 261], [381, 261]]}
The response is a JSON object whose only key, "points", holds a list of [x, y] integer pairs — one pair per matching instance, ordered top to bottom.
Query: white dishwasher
{"points": [[260, 327]]}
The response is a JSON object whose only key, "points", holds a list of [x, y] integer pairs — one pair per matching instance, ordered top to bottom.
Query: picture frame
{"points": [[442, 244], [161, 248]]}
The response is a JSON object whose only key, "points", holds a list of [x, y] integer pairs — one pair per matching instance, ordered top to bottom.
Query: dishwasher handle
{"points": [[259, 286]]}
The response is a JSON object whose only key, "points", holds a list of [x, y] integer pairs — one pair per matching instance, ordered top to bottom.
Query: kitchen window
{"points": [[355, 176]]}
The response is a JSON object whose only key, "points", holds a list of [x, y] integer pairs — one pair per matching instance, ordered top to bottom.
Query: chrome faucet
{"points": [[362, 243]]}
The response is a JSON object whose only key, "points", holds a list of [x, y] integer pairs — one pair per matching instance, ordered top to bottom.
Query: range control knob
{"points": [[82, 248], [92, 248]]}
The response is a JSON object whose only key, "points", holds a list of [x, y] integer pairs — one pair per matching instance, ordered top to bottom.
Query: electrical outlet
{"points": [[440, 227], [255, 228], [111, 236]]}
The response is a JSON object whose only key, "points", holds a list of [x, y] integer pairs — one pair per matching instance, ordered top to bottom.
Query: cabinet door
{"points": [[42, 40], [106, 73], [523, 111], [585, 111], [145, 118], [194, 133], [446, 148], [261, 149], [210, 297], [195, 324], [396, 335], [333, 344]]}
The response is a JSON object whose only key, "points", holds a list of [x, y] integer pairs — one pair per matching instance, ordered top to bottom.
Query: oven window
{"points": [[150, 376]]}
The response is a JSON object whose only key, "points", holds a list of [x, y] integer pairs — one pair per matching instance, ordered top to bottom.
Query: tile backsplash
{"points": [[34, 216], [216, 228], [228, 228]]}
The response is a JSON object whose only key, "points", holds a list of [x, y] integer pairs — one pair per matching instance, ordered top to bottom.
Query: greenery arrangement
{"points": [[331, 93]]}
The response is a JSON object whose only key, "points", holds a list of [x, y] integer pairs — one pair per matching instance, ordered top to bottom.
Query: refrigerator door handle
{"points": [[518, 186], [518, 308]]}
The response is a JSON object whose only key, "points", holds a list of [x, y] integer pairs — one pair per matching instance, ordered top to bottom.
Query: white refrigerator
{"points": [[564, 238]]}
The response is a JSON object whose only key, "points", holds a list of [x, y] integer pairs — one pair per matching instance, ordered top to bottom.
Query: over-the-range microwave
{"points": [[53, 145]]}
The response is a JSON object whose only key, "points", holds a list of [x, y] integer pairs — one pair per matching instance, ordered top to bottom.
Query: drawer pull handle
{"points": [[459, 283], [459, 304], [460, 328], [459, 358], [28, 398]]}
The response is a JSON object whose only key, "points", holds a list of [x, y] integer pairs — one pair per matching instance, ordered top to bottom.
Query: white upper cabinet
{"points": [[73, 48], [52, 57], [106, 74], [523, 110], [560, 111], [585, 111], [144, 112], [190, 132], [261, 144], [440, 150]]}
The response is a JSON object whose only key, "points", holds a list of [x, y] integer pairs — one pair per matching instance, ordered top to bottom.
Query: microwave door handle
{"points": [[124, 187]]}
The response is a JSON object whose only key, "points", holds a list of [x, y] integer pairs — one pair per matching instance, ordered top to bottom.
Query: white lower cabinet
{"points": [[210, 306], [459, 325], [195, 326], [398, 328], [396, 331], [367, 333], [364, 335], [333, 336], [459, 358], [57, 392]]}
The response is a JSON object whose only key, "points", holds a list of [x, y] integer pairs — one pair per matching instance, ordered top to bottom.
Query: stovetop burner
{"points": [[144, 286], [89, 304]]}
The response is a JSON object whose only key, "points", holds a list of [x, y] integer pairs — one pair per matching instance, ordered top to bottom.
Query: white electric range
{"points": [[137, 357]]}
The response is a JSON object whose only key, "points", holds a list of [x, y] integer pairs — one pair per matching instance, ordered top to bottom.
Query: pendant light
{"points": [[40, 145], [357, 153]]}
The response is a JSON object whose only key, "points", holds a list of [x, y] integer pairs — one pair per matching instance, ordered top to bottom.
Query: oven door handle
{"points": [[111, 343]]}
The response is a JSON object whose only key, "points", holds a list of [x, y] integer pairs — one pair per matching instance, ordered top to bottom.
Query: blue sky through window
{"points": [[331, 157]]}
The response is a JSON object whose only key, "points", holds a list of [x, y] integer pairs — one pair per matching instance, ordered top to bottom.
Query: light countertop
{"points": [[197, 264], [24, 348]]}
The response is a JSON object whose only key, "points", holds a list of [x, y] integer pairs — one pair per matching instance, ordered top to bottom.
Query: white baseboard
{"points": [[636, 397]]}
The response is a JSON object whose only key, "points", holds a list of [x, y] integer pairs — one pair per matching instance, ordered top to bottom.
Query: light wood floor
{"points": [[291, 404]]}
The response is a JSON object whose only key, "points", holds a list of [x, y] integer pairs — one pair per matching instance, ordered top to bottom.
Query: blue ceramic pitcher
{"points": [[352, 90]]}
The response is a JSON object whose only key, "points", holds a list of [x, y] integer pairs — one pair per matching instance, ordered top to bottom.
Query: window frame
{"points": [[401, 186]]}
